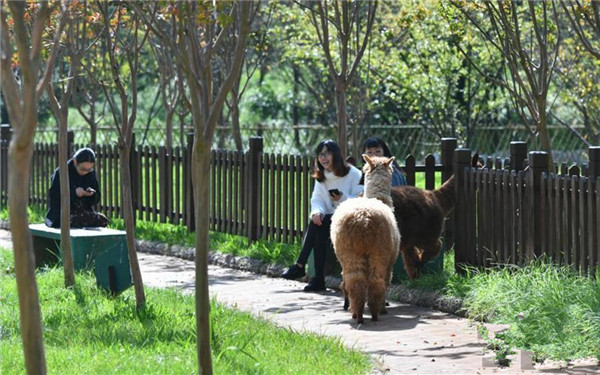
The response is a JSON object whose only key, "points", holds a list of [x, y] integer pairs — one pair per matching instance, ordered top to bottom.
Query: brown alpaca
{"points": [[420, 216], [366, 240]]}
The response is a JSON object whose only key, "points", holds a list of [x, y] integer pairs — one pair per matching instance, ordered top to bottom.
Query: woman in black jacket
{"points": [[84, 193]]}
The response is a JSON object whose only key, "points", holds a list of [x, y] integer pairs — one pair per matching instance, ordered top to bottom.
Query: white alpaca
{"points": [[366, 240]]}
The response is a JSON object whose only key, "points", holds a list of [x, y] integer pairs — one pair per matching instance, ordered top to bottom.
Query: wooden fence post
{"points": [[5, 135], [518, 153], [447, 157], [594, 163], [253, 184], [593, 207], [536, 208], [462, 249]]}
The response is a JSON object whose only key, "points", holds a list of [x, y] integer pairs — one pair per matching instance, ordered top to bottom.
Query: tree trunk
{"points": [[340, 100], [235, 121], [93, 132], [544, 138], [169, 142], [20, 153], [201, 178], [65, 201], [128, 216]]}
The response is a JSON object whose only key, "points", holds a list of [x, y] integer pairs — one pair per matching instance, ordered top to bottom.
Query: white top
{"points": [[321, 201]]}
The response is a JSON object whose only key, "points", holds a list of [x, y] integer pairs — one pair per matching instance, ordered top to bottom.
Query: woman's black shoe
{"points": [[293, 272], [316, 284]]}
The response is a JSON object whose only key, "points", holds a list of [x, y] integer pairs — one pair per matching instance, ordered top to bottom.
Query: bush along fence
{"points": [[504, 212], [507, 214]]}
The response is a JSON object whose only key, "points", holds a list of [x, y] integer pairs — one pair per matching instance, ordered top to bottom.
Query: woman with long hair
{"points": [[336, 181], [84, 193]]}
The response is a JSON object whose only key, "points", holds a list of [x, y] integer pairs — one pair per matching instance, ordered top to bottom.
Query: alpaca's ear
{"points": [[368, 159], [389, 161]]}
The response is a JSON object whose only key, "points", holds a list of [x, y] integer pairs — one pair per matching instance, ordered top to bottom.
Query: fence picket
{"points": [[429, 172], [273, 197], [285, 197], [278, 199], [498, 213], [506, 219], [574, 222], [583, 259]]}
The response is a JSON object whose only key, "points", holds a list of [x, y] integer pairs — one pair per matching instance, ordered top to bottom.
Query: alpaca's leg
{"points": [[430, 251], [412, 263], [389, 271], [388, 279], [377, 283], [355, 285], [346, 299], [376, 299]]}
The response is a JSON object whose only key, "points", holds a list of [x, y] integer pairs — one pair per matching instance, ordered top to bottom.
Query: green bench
{"points": [[102, 250]]}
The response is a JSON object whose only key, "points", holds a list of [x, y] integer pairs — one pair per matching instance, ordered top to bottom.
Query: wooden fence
{"points": [[253, 194], [504, 214], [510, 215]]}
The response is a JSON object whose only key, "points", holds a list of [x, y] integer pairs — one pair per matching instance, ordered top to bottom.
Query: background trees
{"points": [[349, 23], [527, 36], [354, 68], [412, 85]]}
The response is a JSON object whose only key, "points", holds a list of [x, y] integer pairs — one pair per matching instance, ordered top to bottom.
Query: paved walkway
{"points": [[408, 340]]}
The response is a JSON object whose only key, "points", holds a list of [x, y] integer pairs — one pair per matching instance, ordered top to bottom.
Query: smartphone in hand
{"points": [[90, 190], [335, 192]]}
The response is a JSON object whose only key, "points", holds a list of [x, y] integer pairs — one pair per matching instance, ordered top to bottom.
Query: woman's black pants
{"points": [[317, 237]]}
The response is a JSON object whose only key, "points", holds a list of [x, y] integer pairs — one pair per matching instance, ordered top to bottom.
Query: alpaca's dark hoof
{"points": [[346, 304], [383, 311], [354, 316], [375, 318], [360, 320]]}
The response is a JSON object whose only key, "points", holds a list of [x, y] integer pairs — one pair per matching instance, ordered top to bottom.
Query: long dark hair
{"points": [[378, 142], [84, 155], [340, 168]]}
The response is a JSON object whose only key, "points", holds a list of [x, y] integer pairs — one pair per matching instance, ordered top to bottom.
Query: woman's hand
{"points": [[80, 192], [317, 219]]}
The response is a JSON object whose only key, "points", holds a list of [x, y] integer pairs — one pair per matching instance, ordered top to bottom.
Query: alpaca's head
{"points": [[378, 177]]}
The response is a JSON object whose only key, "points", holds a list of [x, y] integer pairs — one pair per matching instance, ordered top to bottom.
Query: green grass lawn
{"points": [[552, 310], [86, 331]]}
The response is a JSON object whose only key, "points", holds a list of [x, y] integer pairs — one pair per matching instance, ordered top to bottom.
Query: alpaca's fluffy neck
{"points": [[378, 188]]}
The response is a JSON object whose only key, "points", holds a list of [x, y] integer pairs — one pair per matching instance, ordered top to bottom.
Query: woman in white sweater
{"points": [[336, 182]]}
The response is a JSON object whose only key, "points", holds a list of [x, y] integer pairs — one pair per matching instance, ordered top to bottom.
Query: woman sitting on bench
{"points": [[84, 193]]}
